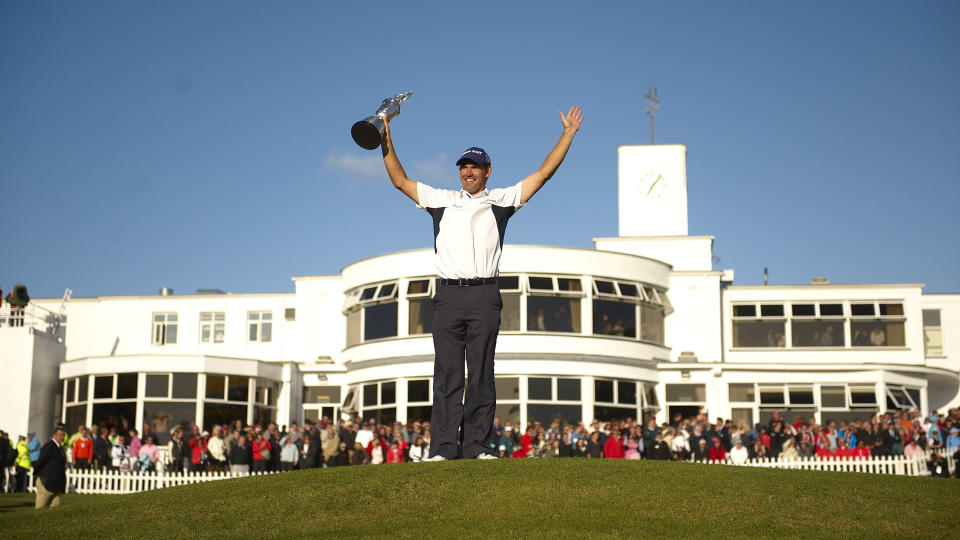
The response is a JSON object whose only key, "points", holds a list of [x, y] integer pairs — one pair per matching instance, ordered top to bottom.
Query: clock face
{"points": [[652, 185]]}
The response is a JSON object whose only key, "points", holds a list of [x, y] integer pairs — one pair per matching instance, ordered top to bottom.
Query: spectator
{"points": [[506, 440], [953, 440], [134, 444], [330, 444], [33, 446], [198, 446], [614, 447], [680, 447], [594, 448], [101, 449], [175, 449], [376, 449], [659, 449], [216, 450], [913, 450], [83, 451], [717, 451], [789, 451], [261, 453], [289, 453], [310, 453], [701, 453], [149, 454], [394, 454], [739, 454], [120, 455], [240, 455], [360, 456], [342, 458], [23, 464], [938, 466], [50, 470]]}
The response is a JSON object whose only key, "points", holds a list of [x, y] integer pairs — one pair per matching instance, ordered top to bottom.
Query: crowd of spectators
{"points": [[240, 448]]}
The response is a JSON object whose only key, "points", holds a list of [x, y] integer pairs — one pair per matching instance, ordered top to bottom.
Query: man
{"points": [[469, 227], [101, 448], [83, 451], [51, 470]]}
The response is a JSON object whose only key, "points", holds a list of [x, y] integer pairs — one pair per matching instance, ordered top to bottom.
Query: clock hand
{"points": [[659, 176]]}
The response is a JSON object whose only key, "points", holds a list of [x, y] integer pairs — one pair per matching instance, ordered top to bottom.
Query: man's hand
{"points": [[572, 120], [571, 124], [397, 175]]}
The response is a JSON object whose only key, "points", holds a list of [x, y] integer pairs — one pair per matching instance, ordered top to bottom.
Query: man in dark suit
{"points": [[101, 449], [50, 470]]}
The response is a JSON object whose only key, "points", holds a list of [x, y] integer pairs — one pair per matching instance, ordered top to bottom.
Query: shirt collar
{"points": [[482, 193]]}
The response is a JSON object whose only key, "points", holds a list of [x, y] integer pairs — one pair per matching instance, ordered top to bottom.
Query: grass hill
{"points": [[511, 499]]}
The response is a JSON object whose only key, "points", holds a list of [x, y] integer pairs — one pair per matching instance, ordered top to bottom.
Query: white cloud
{"points": [[368, 168], [362, 169], [435, 171]]}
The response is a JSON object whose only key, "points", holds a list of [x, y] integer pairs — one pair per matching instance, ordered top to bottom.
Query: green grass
{"points": [[514, 498]]}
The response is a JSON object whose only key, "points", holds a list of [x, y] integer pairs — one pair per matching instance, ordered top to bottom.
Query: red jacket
{"points": [[260, 444], [383, 445], [197, 446], [83, 448], [613, 448], [718, 453], [395, 455]]}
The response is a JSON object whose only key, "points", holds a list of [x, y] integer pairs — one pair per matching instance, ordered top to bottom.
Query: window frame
{"points": [[212, 324], [259, 324], [159, 330]]}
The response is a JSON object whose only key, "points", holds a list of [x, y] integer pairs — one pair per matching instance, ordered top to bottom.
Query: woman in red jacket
{"points": [[198, 445], [613, 448], [261, 453]]}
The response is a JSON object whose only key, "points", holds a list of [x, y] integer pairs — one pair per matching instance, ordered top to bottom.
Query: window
{"points": [[510, 294], [420, 306], [550, 307], [631, 310], [372, 312], [290, 314], [612, 318], [651, 323], [818, 325], [877, 325], [212, 326], [260, 326], [164, 328], [767, 330], [932, 333], [127, 385], [158, 386], [185, 386], [103, 387], [540, 388], [418, 391], [741, 392], [687, 393], [321, 394], [771, 396], [863, 396], [833, 397], [508, 398], [898, 398], [616, 399], [379, 402]]}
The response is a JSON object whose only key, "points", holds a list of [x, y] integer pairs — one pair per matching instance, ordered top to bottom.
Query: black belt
{"points": [[468, 282]]}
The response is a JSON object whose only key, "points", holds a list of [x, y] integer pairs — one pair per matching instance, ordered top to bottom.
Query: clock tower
{"points": [[653, 190]]}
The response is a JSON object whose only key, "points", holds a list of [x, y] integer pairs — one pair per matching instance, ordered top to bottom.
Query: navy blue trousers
{"points": [[466, 321]]}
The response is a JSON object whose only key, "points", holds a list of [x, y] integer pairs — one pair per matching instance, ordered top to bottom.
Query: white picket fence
{"points": [[899, 465], [120, 482]]}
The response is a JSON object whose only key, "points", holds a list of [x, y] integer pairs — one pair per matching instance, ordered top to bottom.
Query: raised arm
{"points": [[397, 175], [531, 184]]}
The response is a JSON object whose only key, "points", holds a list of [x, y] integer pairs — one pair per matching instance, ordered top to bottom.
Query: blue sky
{"points": [[206, 144]]}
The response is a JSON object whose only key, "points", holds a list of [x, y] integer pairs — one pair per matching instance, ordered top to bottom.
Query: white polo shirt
{"points": [[468, 231]]}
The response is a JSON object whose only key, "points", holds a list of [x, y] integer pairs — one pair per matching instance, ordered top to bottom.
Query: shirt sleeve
{"points": [[508, 196], [430, 197]]}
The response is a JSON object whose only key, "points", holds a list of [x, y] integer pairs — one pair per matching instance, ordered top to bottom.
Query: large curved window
{"points": [[553, 304], [371, 312]]}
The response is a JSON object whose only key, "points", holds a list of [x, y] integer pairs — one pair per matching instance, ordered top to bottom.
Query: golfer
{"points": [[468, 230]]}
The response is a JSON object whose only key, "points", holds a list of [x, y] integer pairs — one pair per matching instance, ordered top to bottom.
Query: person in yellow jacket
{"points": [[23, 464]]}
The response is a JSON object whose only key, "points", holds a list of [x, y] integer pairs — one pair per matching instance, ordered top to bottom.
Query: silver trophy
{"points": [[368, 132]]}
